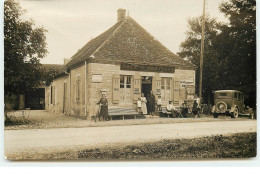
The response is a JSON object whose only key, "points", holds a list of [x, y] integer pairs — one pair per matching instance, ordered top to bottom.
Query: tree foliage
{"points": [[240, 37], [24, 46], [190, 49], [230, 49]]}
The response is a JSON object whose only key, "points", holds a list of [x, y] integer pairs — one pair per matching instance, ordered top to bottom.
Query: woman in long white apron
{"points": [[144, 101]]}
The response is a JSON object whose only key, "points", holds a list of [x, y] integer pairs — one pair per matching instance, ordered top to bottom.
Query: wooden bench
{"points": [[122, 111]]}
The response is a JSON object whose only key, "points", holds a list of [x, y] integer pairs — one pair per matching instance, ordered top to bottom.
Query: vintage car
{"points": [[230, 102]]}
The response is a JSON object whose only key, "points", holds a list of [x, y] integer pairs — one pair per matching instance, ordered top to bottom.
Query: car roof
{"points": [[227, 91]]}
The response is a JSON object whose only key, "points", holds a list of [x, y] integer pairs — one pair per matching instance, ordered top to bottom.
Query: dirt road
{"points": [[69, 138]]}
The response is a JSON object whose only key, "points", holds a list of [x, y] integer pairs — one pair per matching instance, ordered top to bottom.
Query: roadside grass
{"points": [[41, 119], [241, 145], [235, 146]]}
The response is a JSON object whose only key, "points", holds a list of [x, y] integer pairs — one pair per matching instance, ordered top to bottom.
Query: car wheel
{"points": [[234, 114], [215, 116]]}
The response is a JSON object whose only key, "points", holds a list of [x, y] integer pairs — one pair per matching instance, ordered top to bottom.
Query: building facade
{"points": [[122, 62]]}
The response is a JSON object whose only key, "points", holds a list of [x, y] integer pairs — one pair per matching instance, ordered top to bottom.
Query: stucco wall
{"points": [[108, 70], [183, 75], [93, 89], [57, 105], [76, 107]]}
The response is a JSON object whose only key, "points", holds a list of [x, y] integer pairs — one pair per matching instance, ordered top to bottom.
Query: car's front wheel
{"points": [[234, 114]]}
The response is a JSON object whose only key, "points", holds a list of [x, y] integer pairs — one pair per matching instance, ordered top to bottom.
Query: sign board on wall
{"points": [[147, 68], [97, 78], [187, 82], [136, 91], [190, 91]]}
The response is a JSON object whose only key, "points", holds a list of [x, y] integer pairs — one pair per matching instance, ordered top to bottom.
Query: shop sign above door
{"points": [[147, 68]]}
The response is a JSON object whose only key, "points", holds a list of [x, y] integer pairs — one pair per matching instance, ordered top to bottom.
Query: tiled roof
{"points": [[127, 41], [87, 50], [48, 67]]}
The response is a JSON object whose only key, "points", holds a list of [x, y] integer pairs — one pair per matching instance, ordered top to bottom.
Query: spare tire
{"points": [[221, 107]]}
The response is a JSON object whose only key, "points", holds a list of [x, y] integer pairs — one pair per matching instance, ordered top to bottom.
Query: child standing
{"points": [[159, 104]]}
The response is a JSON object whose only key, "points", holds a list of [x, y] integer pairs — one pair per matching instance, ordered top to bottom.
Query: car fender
{"points": [[213, 109]]}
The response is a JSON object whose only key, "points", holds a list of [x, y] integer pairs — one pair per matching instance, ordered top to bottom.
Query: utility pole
{"points": [[201, 51]]}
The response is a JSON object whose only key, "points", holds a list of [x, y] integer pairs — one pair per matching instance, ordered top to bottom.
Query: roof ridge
{"points": [[114, 45], [92, 55]]}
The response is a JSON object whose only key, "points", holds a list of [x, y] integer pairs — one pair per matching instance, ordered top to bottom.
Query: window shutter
{"points": [[157, 85], [137, 86], [116, 88], [176, 91]]}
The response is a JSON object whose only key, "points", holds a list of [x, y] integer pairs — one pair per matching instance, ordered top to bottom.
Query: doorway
{"points": [[146, 85], [35, 99]]}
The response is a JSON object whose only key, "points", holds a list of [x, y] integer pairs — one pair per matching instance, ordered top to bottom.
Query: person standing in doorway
{"points": [[144, 101], [152, 103], [103, 107]]}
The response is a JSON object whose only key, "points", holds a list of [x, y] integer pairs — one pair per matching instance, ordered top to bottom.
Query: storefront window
{"points": [[128, 82], [168, 83], [163, 84], [125, 88], [166, 89]]}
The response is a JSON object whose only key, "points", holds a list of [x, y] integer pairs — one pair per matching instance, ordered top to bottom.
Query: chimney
{"points": [[121, 13]]}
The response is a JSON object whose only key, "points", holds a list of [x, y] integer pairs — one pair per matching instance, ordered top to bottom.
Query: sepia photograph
{"points": [[130, 80]]}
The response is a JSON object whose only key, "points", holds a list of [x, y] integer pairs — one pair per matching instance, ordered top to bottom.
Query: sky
{"points": [[72, 23]]}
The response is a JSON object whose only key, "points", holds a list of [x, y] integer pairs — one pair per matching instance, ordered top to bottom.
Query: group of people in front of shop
{"points": [[146, 106]]}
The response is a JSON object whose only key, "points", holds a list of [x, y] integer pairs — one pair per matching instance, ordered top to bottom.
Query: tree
{"points": [[241, 40], [24, 46], [190, 49], [230, 49]]}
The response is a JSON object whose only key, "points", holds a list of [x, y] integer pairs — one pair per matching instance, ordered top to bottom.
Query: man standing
{"points": [[152, 103]]}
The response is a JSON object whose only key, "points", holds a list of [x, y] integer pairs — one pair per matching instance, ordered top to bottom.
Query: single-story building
{"points": [[122, 62], [35, 97]]}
